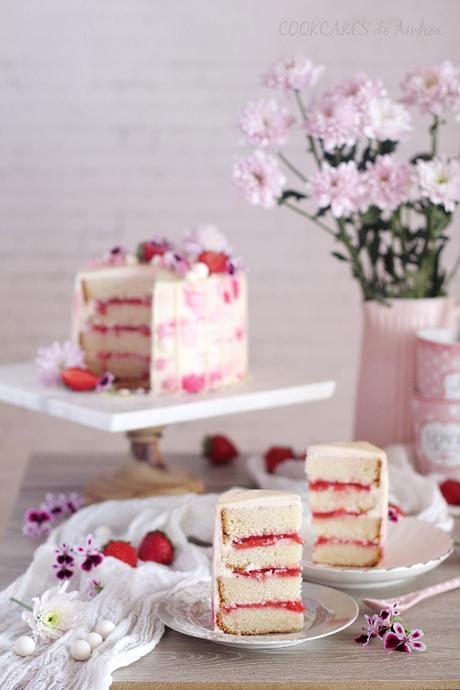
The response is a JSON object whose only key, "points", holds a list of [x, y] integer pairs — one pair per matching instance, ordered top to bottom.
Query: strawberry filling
{"points": [[102, 305], [118, 329], [122, 355], [321, 485], [341, 512], [264, 540], [333, 540], [264, 573], [289, 605]]}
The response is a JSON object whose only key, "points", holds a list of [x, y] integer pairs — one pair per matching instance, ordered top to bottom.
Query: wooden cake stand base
{"points": [[145, 474]]}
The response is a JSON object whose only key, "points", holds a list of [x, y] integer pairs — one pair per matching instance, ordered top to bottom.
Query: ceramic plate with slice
{"points": [[414, 547], [327, 611]]}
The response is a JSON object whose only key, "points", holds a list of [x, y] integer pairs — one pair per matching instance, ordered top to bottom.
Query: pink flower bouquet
{"points": [[389, 215]]}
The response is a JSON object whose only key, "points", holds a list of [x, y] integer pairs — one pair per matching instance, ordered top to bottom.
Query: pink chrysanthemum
{"points": [[292, 74], [362, 90], [434, 90], [334, 119], [265, 124], [259, 178], [439, 181], [387, 182], [340, 188], [53, 359]]}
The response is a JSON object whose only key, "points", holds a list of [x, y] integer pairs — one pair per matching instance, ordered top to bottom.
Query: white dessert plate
{"points": [[414, 547], [327, 611]]}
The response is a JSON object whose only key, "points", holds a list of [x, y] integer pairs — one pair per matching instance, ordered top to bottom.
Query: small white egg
{"points": [[200, 269], [103, 534], [104, 627], [94, 639], [24, 645], [80, 650]]}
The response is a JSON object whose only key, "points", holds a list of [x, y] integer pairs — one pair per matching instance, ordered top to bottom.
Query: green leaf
{"points": [[387, 146], [421, 157], [290, 194], [339, 256]]}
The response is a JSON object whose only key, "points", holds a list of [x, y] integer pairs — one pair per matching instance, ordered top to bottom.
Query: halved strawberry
{"points": [[147, 250], [216, 262], [79, 379], [219, 449], [276, 455], [450, 489]]}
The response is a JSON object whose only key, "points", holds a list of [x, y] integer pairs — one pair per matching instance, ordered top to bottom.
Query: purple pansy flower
{"points": [[105, 382], [74, 502], [56, 504], [393, 514], [37, 522], [92, 557], [65, 562], [93, 589], [387, 613], [374, 626], [397, 639]]}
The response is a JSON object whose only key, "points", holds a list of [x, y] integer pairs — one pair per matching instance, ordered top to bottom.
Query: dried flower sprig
{"points": [[389, 627]]}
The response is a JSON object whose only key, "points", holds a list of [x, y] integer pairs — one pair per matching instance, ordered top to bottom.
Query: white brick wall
{"points": [[117, 121]]}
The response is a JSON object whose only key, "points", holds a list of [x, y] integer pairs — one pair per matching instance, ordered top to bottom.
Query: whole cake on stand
{"points": [[166, 319]]}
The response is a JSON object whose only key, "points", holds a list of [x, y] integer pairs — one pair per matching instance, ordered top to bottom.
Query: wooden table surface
{"points": [[186, 663]]}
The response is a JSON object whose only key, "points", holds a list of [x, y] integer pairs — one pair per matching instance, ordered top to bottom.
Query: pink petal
{"points": [[399, 630], [415, 634], [391, 641], [418, 646], [403, 647]]}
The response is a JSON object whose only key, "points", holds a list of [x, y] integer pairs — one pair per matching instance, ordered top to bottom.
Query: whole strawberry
{"points": [[216, 262], [78, 379], [219, 449], [276, 455], [450, 489], [157, 547], [122, 550]]}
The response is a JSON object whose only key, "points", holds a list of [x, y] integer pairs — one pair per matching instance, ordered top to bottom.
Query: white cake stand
{"points": [[144, 418]]}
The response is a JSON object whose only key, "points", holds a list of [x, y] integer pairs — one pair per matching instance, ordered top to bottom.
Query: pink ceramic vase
{"points": [[387, 368]]}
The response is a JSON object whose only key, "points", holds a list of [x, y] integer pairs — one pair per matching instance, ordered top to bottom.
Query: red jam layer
{"points": [[102, 305], [119, 329], [122, 355], [321, 485], [337, 513], [264, 540], [332, 540], [264, 573], [290, 605]]}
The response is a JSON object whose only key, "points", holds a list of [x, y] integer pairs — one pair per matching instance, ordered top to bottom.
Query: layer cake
{"points": [[165, 319], [348, 494], [257, 552]]}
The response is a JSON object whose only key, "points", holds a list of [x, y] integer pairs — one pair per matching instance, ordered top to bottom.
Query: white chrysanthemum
{"points": [[384, 119], [439, 181], [205, 238], [55, 612]]}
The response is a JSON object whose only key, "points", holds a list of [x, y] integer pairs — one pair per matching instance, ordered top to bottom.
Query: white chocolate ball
{"points": [[200, 269], [103, 534], [104, 627], [94, 639], [24, 645], [80, 650]]}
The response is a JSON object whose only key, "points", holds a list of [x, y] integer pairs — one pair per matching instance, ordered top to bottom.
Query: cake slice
{"points": [[348, 493], [257, 551]]}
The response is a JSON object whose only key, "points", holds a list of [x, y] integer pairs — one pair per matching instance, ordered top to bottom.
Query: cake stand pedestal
{"points": [[144, 418]]}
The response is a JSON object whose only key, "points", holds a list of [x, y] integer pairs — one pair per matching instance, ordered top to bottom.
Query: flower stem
{"points": [[434, 135], [310, 139], [292, 167], [310, 217], [453, 271], [20, 603]]}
